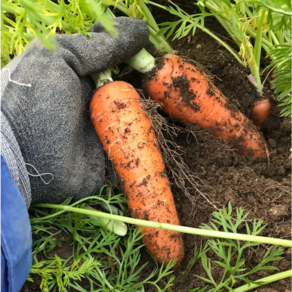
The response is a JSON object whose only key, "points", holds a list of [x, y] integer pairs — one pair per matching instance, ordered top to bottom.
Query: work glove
{"points": [[47, 138]]}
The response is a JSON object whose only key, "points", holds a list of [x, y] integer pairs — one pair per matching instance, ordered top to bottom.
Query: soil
{"points": [[261, 187]]}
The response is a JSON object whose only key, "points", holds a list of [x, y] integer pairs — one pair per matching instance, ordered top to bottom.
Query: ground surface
{"points": [[261, 187]]}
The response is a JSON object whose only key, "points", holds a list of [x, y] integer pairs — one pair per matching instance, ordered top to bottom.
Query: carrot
{"points": [[187, 95], [260, 112], [129, 140]]}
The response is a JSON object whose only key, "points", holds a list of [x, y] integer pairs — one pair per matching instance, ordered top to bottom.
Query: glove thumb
{"points": [[88, 55]]}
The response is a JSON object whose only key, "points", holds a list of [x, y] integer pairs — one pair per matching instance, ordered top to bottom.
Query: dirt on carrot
{"points": [[183, 83], [187, 95], [141, 169]]}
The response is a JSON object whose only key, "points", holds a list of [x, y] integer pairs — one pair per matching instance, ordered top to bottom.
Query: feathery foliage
{"points": [[23, 20], [230, 253], [96, 257]]}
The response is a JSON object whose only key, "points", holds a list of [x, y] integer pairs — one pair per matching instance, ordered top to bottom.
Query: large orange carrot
{"points": [[186, 94], [129, 139]]}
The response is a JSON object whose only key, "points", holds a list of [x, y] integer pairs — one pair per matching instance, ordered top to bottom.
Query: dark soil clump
{"points": [[188, 95]]}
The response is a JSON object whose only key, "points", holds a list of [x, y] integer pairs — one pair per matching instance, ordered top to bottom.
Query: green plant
{"points": [[23, 20], [254, 26], [281, 63], [183, 229], [92, 239], [229, 253], [97, 256], [194, 259], [264, 281]]}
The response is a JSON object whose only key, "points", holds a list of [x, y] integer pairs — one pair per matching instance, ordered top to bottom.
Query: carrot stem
{"points": [[148, 14], [249, 31], [160, 43], [225, 45], [257, 50], [142, 62], [102, 78], [183, 229], [264, 281]]}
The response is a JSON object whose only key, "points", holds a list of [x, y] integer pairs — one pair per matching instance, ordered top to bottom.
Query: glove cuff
{"points": [[11, 152]]}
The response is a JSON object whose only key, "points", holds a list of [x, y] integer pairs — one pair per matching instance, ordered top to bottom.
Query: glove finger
{"points": [[87, 55]]}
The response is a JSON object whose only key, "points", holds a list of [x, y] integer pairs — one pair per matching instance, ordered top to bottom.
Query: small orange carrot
{"points": [[186, 94], [260, 112], [129, 139]]}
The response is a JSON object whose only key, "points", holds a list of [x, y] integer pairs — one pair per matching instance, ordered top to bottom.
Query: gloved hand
{"points": [[45, 111]]}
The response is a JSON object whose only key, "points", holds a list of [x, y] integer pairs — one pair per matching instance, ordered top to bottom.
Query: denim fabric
{"points": [[16, 237]]}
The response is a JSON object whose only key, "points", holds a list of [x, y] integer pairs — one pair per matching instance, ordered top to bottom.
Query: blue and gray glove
{"points": [[47, 139]]}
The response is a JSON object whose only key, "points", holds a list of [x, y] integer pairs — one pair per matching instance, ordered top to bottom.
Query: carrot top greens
{"points": [[22, 20], [229, 254], [95, 255], [109, 262]]}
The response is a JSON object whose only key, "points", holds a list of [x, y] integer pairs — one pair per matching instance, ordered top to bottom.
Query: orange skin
{"points": [[187, 95], [260, 112], [129, 140]]}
